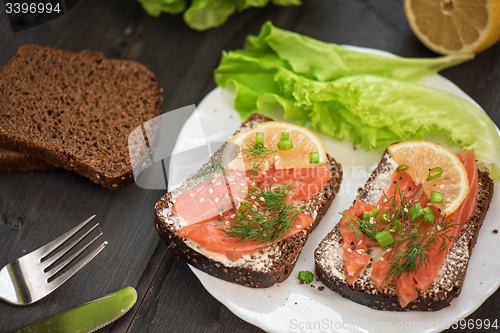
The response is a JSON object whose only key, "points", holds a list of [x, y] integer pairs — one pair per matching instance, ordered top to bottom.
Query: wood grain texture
{"points": [[171, 299]]}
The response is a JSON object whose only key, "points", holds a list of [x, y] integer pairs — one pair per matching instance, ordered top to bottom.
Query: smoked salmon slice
{"points": [[210, 207]]}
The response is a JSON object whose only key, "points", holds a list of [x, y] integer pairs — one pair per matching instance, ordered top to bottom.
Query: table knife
{"points": [[88, 317]]}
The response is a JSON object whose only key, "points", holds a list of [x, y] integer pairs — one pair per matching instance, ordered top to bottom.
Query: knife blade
{"points": [[87, 317]]}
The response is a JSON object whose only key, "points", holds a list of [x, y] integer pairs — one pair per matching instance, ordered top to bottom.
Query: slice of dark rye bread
{"points": [[76, 110], [13, 161], [329, 257], [258, 270]]}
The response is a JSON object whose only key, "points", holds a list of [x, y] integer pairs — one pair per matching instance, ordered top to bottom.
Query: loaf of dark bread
{"points": [[76, 110], [329, 258], [254, 270]]}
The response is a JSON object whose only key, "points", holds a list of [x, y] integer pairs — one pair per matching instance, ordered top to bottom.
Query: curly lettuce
{"points": [[205, 14], [369, 99]]}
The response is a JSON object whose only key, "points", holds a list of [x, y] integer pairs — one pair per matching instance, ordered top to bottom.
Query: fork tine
{"points": [[48, 248], [47, 263], [65, 263], [54, 284]]}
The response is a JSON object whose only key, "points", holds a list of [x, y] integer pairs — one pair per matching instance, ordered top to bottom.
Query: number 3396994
{"points": [[33, 8]]}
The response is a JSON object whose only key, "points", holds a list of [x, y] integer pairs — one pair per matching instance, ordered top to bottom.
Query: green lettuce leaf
{"points": [[155, 7], [205, 14], [372, 106]]}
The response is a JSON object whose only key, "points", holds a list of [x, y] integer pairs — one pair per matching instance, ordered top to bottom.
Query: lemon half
{"points": [[454, 26]]}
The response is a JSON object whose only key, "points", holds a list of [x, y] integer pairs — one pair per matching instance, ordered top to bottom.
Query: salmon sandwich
{"points": [[246, 214], [406, 241]]}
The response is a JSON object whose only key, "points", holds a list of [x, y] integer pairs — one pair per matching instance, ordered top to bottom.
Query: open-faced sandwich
{"points": [[246, 214], [406, 241]]}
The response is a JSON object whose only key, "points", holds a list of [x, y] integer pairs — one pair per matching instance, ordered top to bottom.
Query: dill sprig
{"points": [[256, 153], [214, 170], [268, 217], [362, 229], [412, 247]]}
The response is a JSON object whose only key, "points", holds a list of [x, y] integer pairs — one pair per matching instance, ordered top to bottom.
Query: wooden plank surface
{"points": [[171, 299]]}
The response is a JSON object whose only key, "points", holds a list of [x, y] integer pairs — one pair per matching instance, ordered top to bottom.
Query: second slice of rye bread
{"points": [[76, 110], [14, 161]]}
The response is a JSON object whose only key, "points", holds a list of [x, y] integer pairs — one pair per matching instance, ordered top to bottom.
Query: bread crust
{"points": [[81, 108], [13, 161], [281, 265], [437, 296]]}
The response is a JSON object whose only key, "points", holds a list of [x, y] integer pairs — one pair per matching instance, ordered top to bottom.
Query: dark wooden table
{"points": [[170, 297]]}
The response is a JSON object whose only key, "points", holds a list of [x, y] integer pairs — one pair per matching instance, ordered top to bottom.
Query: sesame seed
{"points": [[264, 173], [238, 174], [274, 178], [213, 181], [232, 183], [217, 184], [242, 184], [210, 191], [191, 195], [227, 196], [253, 197], [262, 199], [201, 200], [216, 200], [233, 216], [226, 222], [298, 226], [360, 241], [349, 250], [359, 251], [381, 258]]}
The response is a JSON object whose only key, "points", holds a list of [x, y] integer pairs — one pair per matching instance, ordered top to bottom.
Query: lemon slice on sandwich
{"points": [[284, 145], [436, 169]]}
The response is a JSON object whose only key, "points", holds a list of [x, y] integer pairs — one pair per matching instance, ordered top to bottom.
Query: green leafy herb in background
{"points": [[206, 14], [367, 98]]}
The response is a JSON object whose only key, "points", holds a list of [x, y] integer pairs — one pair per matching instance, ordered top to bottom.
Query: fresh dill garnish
{"points": [[256, 153], [214, 170], [268, 217], [362, 229], [412, 247]]}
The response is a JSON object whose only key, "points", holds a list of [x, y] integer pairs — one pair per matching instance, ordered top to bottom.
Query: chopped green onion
{"points": [[284, 136], [259, 138], [285, 145], [313, 157], [402, 167], [435, 173], [436, 197], [244, 209], [416, 213], [367, 215], [428, 215], [384, 217], [395, 225], [384, 238], [306, 276]]}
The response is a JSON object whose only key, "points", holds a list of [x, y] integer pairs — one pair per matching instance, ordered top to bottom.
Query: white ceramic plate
{"points": [[294, 307]]}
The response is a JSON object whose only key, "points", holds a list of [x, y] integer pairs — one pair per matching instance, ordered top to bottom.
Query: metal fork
{"points": [[28, 279]]}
